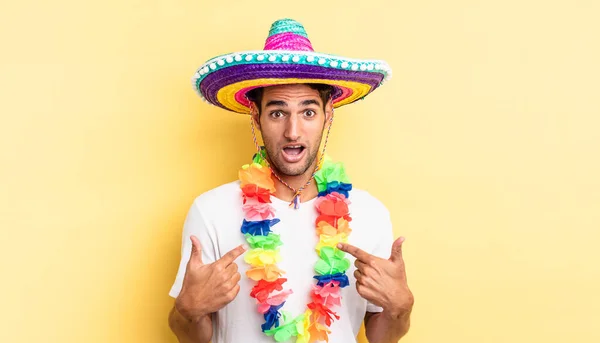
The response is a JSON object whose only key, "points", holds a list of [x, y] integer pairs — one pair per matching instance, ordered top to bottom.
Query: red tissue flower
{"points": [[262, 195], [263, 288], [321, 311]]}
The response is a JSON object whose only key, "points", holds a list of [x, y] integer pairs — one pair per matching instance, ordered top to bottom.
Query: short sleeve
{"points": [[195, 224], [383, 247]]}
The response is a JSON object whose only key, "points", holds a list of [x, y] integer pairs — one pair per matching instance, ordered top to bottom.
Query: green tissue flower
{"points": [[330, 172], [269, 242], [332, 262], [285, 331]]}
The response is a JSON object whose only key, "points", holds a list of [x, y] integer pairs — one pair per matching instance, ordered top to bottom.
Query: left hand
{"points": [[380, 281]]}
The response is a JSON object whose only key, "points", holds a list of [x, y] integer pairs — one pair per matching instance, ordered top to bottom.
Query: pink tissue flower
{"points": [[256, 211], [327, 295], [275, 300]]}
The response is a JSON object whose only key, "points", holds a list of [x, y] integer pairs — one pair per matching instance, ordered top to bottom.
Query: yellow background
{"points": [[484, 146]]}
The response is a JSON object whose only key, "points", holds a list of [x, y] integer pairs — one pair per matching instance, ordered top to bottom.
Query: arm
{"points": [[204, 283], [383, 283], [206, 289], [383, 327], [190, 331]]}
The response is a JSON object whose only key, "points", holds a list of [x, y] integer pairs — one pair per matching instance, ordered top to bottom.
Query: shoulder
{"points": [[215, 199], [361, 200]]}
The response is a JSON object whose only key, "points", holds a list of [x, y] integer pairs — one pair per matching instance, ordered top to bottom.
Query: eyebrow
{"points": [[309, 102], [276, 103], [284, 104]]}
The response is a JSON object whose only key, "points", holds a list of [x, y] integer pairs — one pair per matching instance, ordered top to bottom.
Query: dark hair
{"points": [[255, 95]]}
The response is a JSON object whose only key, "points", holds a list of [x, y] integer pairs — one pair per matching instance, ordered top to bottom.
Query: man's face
{"points": [[292, 121]]}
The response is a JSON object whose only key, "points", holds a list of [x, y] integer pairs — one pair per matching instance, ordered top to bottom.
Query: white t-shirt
{"points": [[216, 218]]}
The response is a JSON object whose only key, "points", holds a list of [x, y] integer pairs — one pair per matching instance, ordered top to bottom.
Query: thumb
{"points": [[196, 250], [396, 255]]}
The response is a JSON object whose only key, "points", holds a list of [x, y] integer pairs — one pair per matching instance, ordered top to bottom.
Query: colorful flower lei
{"points": [[332, 226]]}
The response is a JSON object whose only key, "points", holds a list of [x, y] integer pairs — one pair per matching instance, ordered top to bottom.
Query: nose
{"points": [[292, 129]]}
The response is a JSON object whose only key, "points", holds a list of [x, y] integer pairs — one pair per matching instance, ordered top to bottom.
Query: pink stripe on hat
{"points": [[288, 41]]}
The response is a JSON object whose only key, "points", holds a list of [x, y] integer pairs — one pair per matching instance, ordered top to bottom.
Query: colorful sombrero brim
{"points": [[224, 80]]}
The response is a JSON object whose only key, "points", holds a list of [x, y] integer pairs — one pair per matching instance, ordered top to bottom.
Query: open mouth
{"points": [[293, 153]]}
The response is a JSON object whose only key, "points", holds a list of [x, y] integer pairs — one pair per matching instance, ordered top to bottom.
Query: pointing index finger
{"points": [[354, 251], [229, 257]]}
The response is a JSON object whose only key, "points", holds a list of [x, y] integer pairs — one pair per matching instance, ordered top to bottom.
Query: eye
{"points": [[310, 113], [276, 114]]}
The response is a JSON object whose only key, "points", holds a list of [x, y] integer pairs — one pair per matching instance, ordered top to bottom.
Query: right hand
{"points": [[208, 287]]}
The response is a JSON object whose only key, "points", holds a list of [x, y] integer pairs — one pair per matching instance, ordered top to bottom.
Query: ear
{"points": [[329, 110], [254, 112]]}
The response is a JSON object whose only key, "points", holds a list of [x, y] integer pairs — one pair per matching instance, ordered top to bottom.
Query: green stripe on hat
{"points": [[287, 25]]}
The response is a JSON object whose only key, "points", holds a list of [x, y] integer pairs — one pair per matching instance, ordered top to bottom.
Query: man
{"points": [[268, 257]]}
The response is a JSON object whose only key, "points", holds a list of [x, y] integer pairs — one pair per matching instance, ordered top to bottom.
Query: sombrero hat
{"points": [[287, 58]]}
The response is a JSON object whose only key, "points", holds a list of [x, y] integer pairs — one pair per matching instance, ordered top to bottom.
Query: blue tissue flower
{"points": [[335, 186], [261, 228], [339, 277], [272, 317]]}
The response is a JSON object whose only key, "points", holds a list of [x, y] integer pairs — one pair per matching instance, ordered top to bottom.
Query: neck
{"points": [[284, 193]]}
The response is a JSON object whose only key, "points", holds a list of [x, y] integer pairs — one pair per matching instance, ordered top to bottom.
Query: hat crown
{"points": [[288, 35]]}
